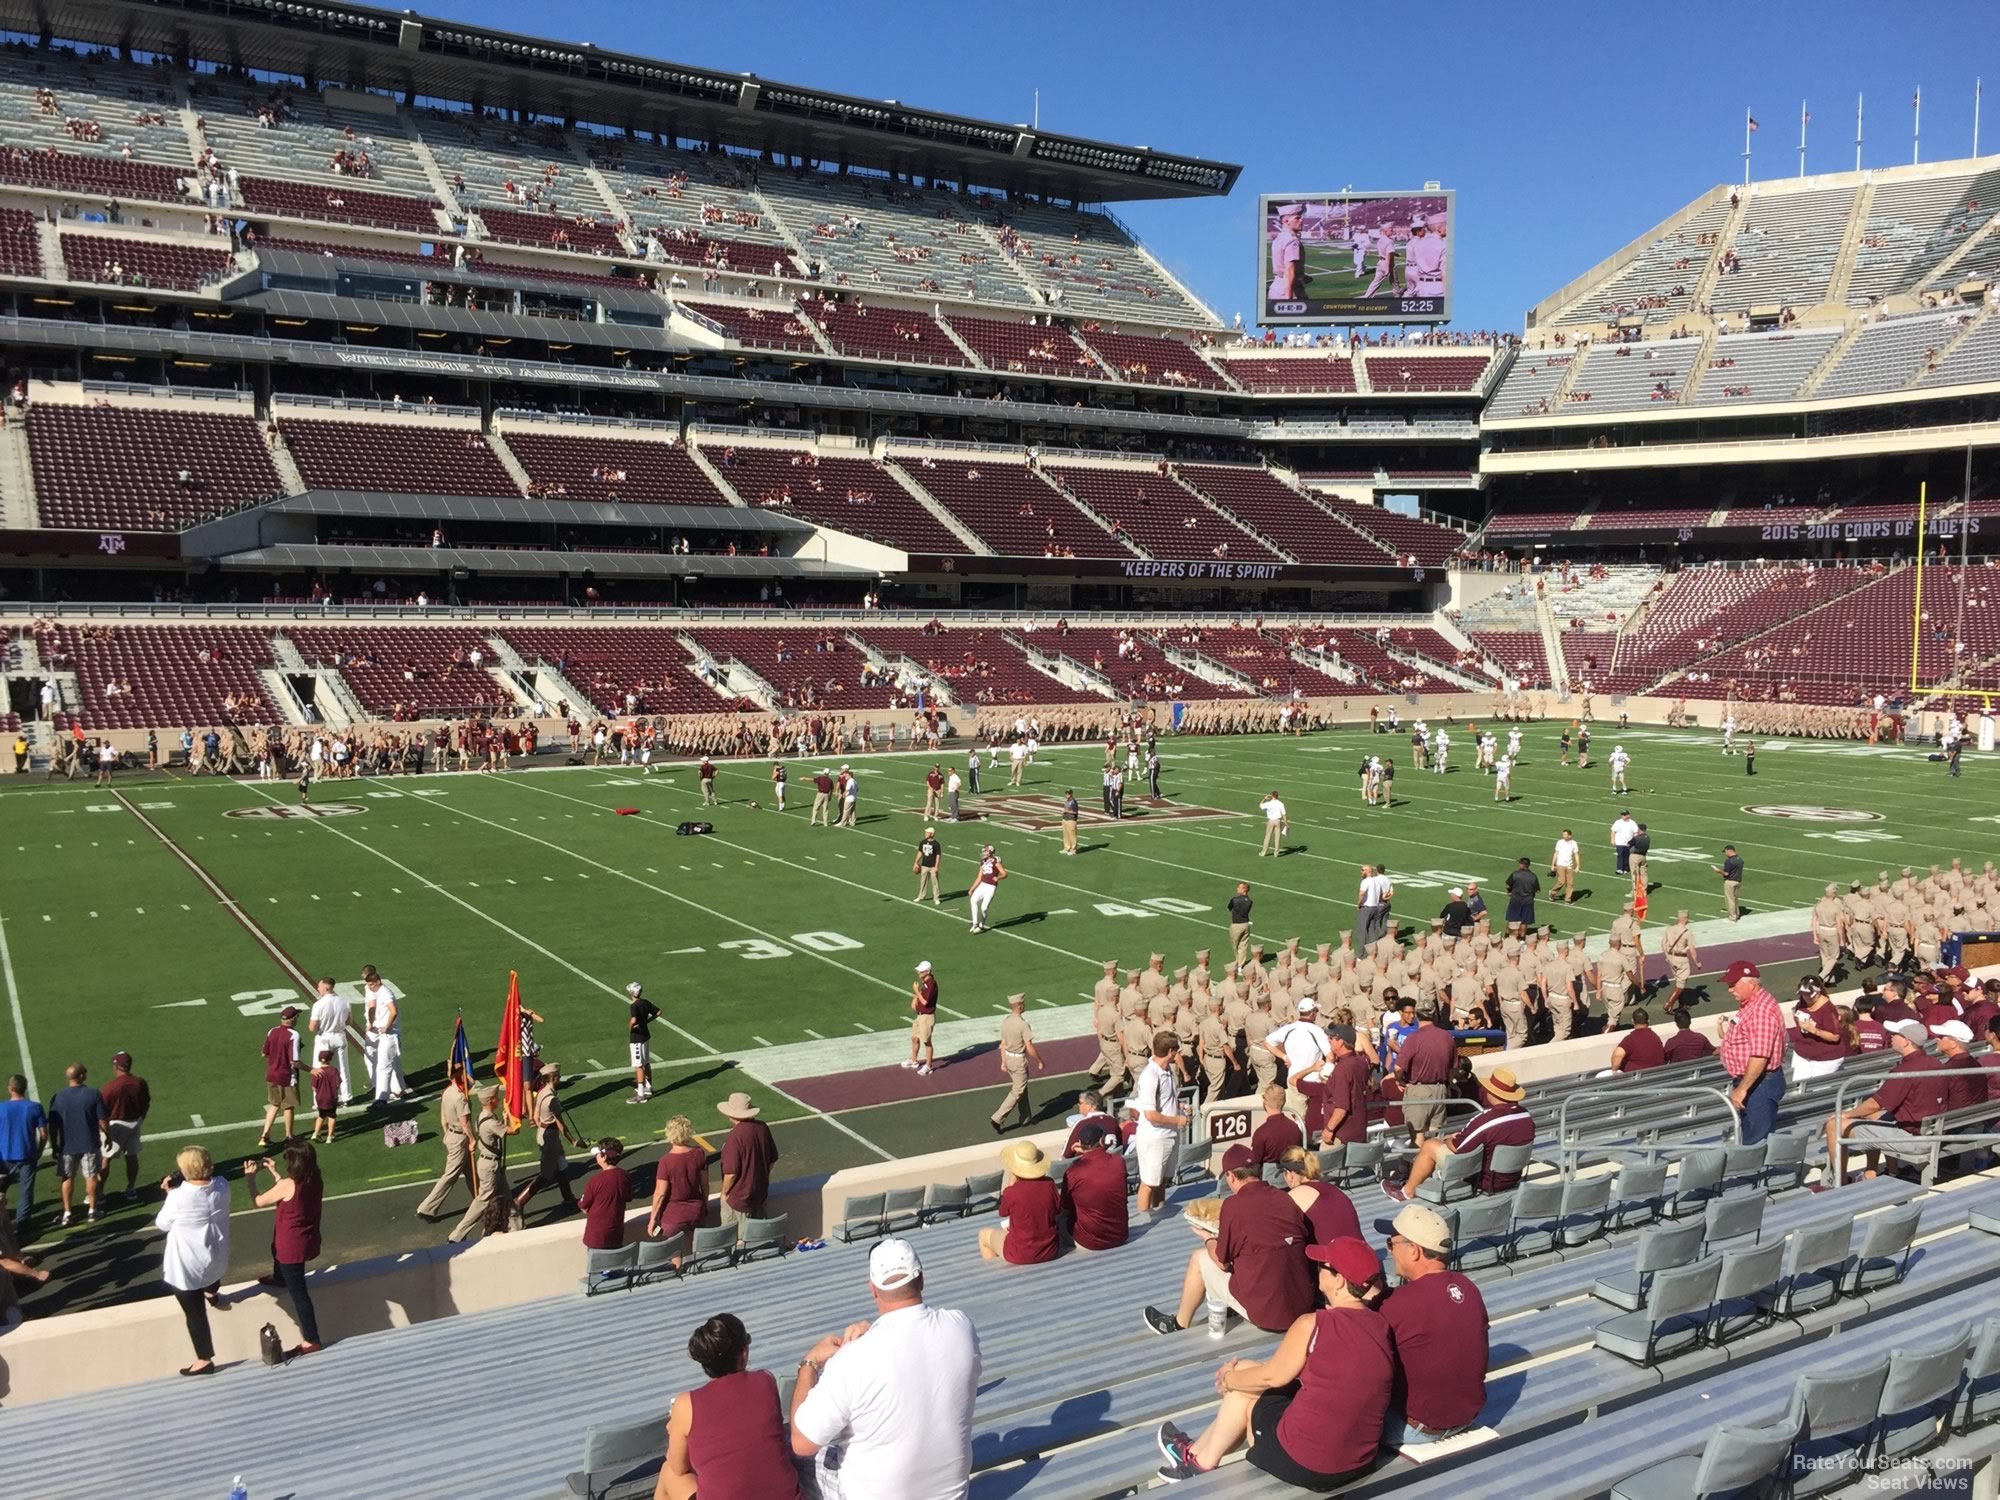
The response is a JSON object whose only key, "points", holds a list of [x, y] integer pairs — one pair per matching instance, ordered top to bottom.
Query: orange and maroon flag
{"points": [[507, 1062]]}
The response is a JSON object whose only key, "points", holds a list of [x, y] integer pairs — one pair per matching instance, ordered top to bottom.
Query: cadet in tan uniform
{"points": [[1826, 920], [1860, 923], [1628, 932], [1677, 947], [1321, 968], [1200, 974], [1153, 978], [1614, 980], [1511, 985], [1107, 987], [1179, 990], [1559, 990], [1235, 1001], [1159, 1005], [1135, 1035], [1110, 1047], [1217, 1049], [1017, 1050], [1258, 1058]]}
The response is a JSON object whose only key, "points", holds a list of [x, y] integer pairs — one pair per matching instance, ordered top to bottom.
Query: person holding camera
{"points": [[296, 1198], [195, 1218]]}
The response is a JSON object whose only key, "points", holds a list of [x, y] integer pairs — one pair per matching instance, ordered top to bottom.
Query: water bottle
{"points": [[238, 1490]]}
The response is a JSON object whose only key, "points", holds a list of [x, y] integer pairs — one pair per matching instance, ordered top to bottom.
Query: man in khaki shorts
{"points": [[923, 1019]]}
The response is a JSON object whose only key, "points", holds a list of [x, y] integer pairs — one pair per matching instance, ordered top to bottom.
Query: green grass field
{"points": [[1329, 272], [780, 952]]}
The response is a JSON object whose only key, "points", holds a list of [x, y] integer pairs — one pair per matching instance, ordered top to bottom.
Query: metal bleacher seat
{"points": [[1785, 1159], [1742, 1167], [1457, 1176], [1697, 1179], [983, 1193], [1640, 1194], [945, 1200], [902, 1209], [1585, 1212], [860, 1218], [1536, 1220], [1728, 1222], [1482, 1231], [763, 1239], [714, 1247], [1663, 1247], [1884, 1253], [657, 1257], [1817, 1260], [610, 1270], [1746, 1291], [1671, 1322], [1918, 1397], [1979, 1398], [1835, 1415], [621, 1460], [1736, 1461]]}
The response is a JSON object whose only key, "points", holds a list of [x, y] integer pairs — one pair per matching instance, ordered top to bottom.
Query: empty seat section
{"points": [[58, 106], [325, 137], [100, 177], [338, 203], [701, 208], [1913, 227], [20, 244], [1786, 250], [117, 260], [1092, 264], [1658, 282], [778, 326], [892, 333], [1025, 347], [1886, 356], [1144, 360], [1975, 361], [1762, 366], [1435, 372], [1272, 374], [1633, 377], [1530, 384], [395, 458], [121, 466], [588, 467], [847, 494], [1009, 508], [1280, 513], [1158, 514], [1405, 536], [1701, 610], [1367, 651], [1521, 654], [1265, 657], [651, 664], [978, 666], [1141, 670], [409, 673], [158, 676]]}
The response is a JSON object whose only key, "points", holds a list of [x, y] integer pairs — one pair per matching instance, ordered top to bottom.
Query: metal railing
{"points": [[1923, 1144], [1571, 1148]]}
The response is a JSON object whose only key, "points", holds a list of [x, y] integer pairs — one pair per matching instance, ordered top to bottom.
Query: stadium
{"points": [[776, 608]]}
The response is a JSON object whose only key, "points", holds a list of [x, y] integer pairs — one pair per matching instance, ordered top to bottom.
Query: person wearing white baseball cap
{"points": [[1287, 268], [923, 1017], [1964, 1081], [1887, 1118], [887, 1406]]}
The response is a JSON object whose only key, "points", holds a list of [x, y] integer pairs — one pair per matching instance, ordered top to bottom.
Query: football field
{"points": [[1329, 272], [174, 918]]}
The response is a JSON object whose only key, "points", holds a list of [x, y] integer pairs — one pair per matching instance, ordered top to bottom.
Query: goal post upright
{"points": [[1917, 602]]}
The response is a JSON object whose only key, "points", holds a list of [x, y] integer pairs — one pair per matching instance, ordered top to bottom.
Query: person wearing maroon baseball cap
{"points": [[1753, 1051], [1312, 1413]]}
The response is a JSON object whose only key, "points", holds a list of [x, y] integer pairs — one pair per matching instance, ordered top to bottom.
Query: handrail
{"points": [[1683, 1091]]}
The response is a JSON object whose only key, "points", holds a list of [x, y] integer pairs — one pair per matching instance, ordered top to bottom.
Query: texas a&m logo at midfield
{"points": [[285, 814]]}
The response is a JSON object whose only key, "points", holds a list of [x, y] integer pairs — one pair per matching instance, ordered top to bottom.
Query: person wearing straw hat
{"points": [[1017, 1050], [1500, 1122], [749, 1152], [1029, 1209]]}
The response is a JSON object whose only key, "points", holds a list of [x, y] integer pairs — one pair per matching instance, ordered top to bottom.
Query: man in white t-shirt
{"points": [[1017, 761], [1274, 824], [1623, 830], [1563, 865], [1371, 902], [383, 1010], [329, 1017], [1302, 1048], [1155, 1142], [886, 1407]]}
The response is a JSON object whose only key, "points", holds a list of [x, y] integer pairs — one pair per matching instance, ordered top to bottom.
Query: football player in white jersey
{"points": [[1619, 762]]}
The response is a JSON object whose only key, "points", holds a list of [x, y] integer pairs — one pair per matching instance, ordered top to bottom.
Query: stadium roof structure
{"points": [[405, 53]]}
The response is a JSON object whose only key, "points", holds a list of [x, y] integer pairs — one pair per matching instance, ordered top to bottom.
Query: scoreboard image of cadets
{"points": [[1353, 257]]}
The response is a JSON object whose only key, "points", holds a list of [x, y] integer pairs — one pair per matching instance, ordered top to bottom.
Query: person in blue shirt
{"points": [[1399, 1023], [24, 1129], [76, 1132]]}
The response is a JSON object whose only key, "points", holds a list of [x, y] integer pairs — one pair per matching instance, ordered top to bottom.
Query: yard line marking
{"points": [[1049, 1003], [14, 1004], [864, 1026], [814, 1035], [760, 1041], [595, 1064], [199, 1123]]}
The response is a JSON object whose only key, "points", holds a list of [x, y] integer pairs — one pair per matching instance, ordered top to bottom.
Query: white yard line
{"points": [[14, 1004]]}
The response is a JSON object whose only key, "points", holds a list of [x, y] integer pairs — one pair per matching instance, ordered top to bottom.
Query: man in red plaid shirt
{"points": [[1753, 1052]]}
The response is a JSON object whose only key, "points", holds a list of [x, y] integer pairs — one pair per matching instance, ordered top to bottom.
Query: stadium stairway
{"points": [[18, 511]]}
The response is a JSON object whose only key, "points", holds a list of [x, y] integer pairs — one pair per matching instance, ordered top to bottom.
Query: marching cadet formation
{"points": [[1903, 923]]}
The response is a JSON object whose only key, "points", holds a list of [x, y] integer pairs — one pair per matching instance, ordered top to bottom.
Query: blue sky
{"points": [[1567, 129]]}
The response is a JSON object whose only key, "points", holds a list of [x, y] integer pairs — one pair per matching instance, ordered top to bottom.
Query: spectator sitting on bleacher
{"points": [[1686, 1044], [1640, 1048], [1963, 1084], [1897, 1109], [1090, 1110], [1500, 1122], [1277, 1133], [1094, 1199], [1029, 1209], [1329, 1212], [1254, 1266], [1440, 1324], [890, 1402], [1313, 1413], [728, 1437]]}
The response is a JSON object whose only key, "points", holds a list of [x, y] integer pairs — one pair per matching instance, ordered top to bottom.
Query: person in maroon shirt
{"points": [[1894, 1003], [1980, 1007], [1870, 1035], [1686, 1044], [1819, 1044], [1640, 1048], [1424, 1065], [281, 1073], [1963, 1087], [1910, 1095], [128, 1099], [1337, 1105], [1090, 1111], [1501, 1123], [1277, 1133], [748, 1154], [604, 1198], [1094, 1200], [295, 1201], [1030, 1208], [1329, 1212], [1255, 1266], [1440, 1323], [1314, 1411], [729, 1437]]}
